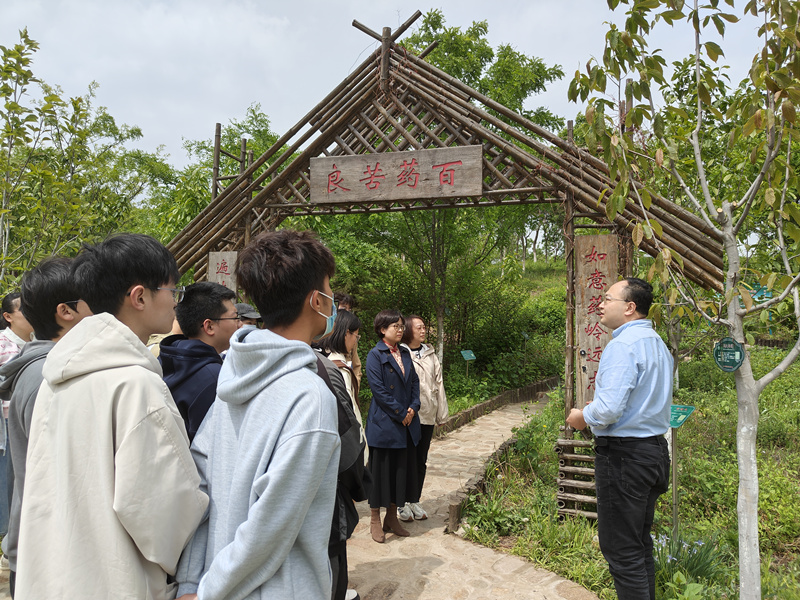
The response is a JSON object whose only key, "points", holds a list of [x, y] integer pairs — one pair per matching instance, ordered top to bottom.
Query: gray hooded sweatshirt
{"points": [[21, 379], [268, 456]]}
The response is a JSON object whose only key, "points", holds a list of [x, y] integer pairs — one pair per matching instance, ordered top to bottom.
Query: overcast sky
{"points": [[177, 67]]}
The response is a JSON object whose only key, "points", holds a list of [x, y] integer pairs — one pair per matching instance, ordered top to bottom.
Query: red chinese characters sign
{"points": [[438, 173], [220, 268], [595, 270]]}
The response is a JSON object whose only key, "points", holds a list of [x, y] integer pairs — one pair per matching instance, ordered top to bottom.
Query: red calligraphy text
{"points": [[447, 174], [408, 176], [373, 177], [335, 180], [595, 256], [222, 267], [597, 280], [594, 305], [594, 330], [594, 355], [591, 381]]}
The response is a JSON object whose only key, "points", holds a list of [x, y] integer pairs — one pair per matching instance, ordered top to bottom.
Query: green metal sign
{"points": [[728, 354], [468, 355], [678, 414]]}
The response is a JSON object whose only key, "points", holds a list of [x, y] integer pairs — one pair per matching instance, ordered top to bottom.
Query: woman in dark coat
{"points": [[393, 428]]}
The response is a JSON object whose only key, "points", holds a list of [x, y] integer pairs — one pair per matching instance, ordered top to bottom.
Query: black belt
{"points": [[604, 440]]}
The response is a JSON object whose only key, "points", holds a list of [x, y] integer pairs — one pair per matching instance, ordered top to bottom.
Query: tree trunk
{"points": [[440, 333], [747, 393], [747, 503]]}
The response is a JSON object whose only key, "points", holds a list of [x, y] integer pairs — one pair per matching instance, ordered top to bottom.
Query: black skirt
{"points": [[394, 474]]}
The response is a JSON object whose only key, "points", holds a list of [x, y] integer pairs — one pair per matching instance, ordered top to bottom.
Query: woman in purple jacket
{"points": [[393, 428]]}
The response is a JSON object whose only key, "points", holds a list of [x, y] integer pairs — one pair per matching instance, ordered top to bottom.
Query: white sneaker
{"points": [[418, 512], [405, 513], [4, 566], [352, 595]]}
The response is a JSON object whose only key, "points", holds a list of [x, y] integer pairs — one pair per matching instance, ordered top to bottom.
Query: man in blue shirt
{"points": [[629, 417]]}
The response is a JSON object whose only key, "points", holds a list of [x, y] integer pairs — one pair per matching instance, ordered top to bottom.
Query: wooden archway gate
{"points": [[395, 102]]}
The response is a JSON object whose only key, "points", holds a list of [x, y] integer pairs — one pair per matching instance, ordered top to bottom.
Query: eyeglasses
{"points": [[177, 293], [612, 299], [73, 302], [398, 327], [358, 335]]}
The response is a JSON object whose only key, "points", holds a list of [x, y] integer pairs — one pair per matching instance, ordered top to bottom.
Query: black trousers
{"points": [[422, 460], [630, 475], [339, 570]]}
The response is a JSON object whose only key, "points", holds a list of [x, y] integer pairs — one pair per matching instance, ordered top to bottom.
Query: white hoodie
{"points": [[268, 454], [111, 493]]}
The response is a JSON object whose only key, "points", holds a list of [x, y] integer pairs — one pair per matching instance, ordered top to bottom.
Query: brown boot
{"points": [[391, 523], [375, 526]]}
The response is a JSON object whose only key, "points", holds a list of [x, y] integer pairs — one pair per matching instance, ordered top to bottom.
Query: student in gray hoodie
{"points": [[50, 303], [268, 450]]}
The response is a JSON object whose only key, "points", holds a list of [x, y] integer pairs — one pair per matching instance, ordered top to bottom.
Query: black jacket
{"points": [[191, 369]]}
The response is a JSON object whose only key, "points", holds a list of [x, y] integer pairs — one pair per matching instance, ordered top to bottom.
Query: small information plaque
{"points": [[728, 354], [468, 355], [678, 414]]}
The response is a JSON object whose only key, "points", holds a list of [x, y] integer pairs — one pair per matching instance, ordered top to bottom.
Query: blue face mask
{"points": [[328, 320]]}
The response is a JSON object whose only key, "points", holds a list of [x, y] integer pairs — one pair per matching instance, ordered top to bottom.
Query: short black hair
{"points": [[278, 269], [106, 272], [44, 287], [640, 293], [343, 297], [203, 300], [8, 307], [385, 318], [345, 322], [408, 332]]}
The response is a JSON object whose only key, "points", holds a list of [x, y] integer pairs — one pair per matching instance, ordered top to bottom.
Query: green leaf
{"points": [[714, 51], [788, 111], [637, 235]]}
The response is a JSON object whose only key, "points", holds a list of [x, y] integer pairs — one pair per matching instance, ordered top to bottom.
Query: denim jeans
{"points": [[630, 475]]}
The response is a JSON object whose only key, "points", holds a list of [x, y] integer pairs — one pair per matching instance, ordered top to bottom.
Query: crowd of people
{"points": [[162, 441], [170, 442]]}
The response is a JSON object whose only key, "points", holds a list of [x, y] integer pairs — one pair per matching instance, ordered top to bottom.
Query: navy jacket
{"points": [[191, 369], [392, 395]]}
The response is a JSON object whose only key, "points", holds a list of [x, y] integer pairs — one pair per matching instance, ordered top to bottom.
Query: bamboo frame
{"points": [[395, 100]]}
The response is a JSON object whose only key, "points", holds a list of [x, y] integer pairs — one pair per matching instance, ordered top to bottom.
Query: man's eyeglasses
{"points": [[177, 293], [612, 299]]}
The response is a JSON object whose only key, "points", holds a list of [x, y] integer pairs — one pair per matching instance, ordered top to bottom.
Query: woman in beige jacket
{"points": [[433, 405]]}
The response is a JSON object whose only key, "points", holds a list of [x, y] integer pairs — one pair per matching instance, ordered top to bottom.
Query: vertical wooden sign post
{"points": [[596, 258], [220, 268]]}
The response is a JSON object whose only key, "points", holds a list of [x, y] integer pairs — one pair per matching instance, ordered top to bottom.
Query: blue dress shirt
{"points": [[633, 387]]}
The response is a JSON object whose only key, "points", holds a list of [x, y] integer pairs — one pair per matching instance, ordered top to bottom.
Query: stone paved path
{"points": [[432, 565]]}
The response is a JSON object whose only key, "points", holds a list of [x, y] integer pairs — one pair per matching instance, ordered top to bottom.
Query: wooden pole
{"points": [[386, 41], [215, 168], [569, 253]]}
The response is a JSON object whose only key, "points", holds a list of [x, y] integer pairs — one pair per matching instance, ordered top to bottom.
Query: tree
{"points": [[728, 154], [66, 174], [171, 206]]}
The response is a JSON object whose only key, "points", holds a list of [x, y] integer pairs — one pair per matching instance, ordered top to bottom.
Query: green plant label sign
{"points": [[728, 354], [468, 355], [678, 414]]}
